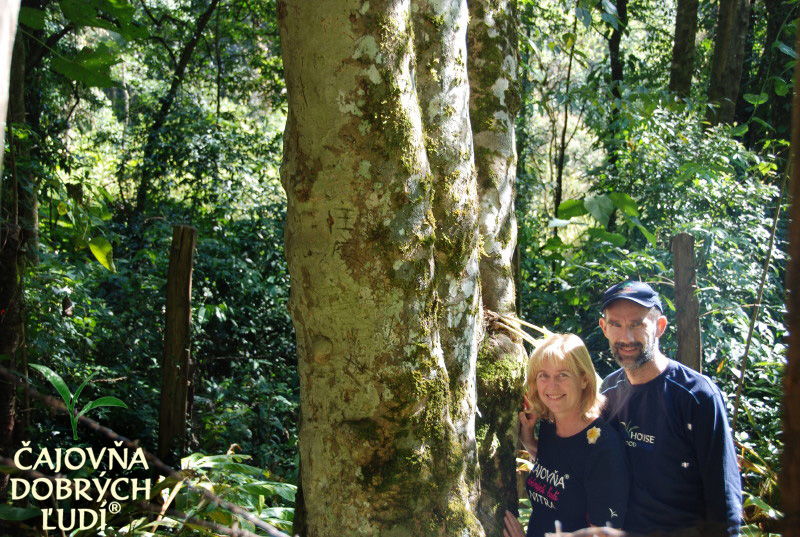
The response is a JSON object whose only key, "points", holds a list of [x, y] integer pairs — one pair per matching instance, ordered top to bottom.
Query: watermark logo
{"points": [[96, 490]]}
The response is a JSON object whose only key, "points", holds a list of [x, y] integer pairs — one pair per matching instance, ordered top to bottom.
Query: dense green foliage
{"points": [[140, 116], [662, 170]]}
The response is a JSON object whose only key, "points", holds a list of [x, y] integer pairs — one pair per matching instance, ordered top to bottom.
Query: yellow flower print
{"points": [[593, 434]]}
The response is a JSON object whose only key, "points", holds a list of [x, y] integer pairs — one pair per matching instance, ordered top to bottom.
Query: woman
{"points": [[579, 476]]}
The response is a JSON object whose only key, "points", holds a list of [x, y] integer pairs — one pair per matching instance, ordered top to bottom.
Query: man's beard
{"points": [[630, 363]]}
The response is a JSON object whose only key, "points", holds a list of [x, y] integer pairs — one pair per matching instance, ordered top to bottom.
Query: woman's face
{"points": [[559, 389]]}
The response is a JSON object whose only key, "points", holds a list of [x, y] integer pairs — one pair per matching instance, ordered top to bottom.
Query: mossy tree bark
{"points": [[494, 102], [382, 243]]}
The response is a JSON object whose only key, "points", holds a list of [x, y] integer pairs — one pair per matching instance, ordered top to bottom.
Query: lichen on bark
{"points": [[383, 264]]}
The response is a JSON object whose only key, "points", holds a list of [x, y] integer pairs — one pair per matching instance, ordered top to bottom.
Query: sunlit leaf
{"points": [[584, 16], [786, 49], [754, 99], [739, 130], [624, 203], [600, 207], [570, 209], [556, 222], [602, 235], [102, 250], [56, 381], [103, 401]]}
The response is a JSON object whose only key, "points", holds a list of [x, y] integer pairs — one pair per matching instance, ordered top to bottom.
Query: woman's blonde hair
{"points": [[569, 350]]}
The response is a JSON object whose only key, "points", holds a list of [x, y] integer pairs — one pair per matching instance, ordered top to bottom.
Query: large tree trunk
{"points": [[8, 29], [683, 48], [726, 64], [494, 102], [11, 236], [381, 243], [790, 474]]}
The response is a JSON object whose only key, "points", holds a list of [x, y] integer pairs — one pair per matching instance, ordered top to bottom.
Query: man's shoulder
{"points": [[686, 380], [613, 381]]}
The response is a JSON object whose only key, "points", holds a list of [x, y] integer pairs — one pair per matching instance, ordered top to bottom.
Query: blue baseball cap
{"points": [[638, 292]]}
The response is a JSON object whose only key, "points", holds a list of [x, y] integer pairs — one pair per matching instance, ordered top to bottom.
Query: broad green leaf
{"points": [[609, 8], [584, 16], [32, 17], [611, 20], [786, 49], [75, 71], [781, 87], [752, 98], [763, 123], [739, 130], [624, 203], [600, 207], [62, 208], [571, 208], [555, 222], [602, 235], [649, 236], [554, 243], [101, 249], [56, 381], [80, 388], [103, 401], [269, 489], [758, 502], [8, 512]]}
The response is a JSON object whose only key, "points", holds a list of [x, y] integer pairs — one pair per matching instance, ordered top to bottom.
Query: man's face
{"points": [[632, 332]]}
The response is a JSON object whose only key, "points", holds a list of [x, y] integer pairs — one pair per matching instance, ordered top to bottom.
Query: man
{"points": [[683, 462]]}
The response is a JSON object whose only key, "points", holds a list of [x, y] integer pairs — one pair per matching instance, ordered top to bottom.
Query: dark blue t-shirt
{"points": [[681, 453], [580, 480]]}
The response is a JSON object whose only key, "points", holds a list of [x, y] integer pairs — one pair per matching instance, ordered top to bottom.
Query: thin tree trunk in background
{"points": [[614, 49], [683, 49], [727, 61], [617, 77], [494, 103], [562, 145], [154, 165], [381, 244], [687, 307], [177, 371], [790, 472]]}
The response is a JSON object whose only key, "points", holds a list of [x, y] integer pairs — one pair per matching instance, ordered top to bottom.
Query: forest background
{"points": [[128, 118]]}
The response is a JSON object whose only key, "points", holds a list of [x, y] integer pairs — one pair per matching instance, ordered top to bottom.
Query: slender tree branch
{"points": [[38, 53], [757, 307]]}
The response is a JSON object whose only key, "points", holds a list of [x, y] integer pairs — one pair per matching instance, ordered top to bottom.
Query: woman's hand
{"points": [[527, 423], [511, 526]]}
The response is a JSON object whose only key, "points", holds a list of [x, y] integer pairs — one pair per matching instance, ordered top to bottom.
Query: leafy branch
{"points": [[71, 400]]}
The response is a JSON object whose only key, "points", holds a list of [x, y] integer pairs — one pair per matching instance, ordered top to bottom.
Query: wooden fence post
{"points": [[687, 307], [178, 369]]}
